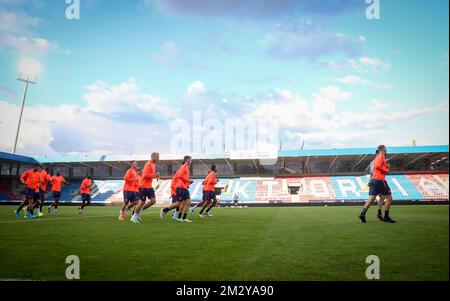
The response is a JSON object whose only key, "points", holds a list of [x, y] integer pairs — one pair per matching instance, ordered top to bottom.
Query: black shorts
{"points": [[379, 187], [147, 193], [32, 194], [42, 194], [56, 194], [183, 194], [209, 195], [130, 196], [86, 197], [174, 199]]}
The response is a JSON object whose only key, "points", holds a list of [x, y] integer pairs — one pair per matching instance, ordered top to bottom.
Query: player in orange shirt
{"points": [[31, 178], [45, 179], [56, 182], [379, 186], [130, 189], [182, 189], [85, 191], [210, 192], [147, 197], [175, 201], [203, 201], [380, 202]]}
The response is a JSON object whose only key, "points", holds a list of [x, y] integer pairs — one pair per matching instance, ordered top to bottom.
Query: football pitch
{"points": [[278, 243]]}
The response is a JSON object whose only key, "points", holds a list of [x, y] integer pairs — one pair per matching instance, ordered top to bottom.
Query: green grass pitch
{"points": [[289, 243]]}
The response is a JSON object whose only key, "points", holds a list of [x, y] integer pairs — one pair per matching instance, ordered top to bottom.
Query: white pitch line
{"points": [[22, 220]]}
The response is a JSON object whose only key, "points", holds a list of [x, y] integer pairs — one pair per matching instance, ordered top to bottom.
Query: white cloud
{"points": [[17, 22], [16, 34], [308, 41], [25, 44], [168, 55], [369, 65], [355, 80], [196, 88], [125, 100], [325, 101], [378, 105], [121, 119], [115, 120], [321, 123]]}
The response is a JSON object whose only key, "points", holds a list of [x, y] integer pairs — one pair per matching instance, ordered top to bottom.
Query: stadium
{"points": [[193, 145], [334, 176], [285, 208]]}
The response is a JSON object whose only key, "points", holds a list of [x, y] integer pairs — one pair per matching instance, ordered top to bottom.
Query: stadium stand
{"points": [[337, 176], [419, 187]]}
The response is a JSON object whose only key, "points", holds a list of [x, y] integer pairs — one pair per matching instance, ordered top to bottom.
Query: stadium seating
{"points": [[420, 187], [432, 187], [312, 189], [272, 190], [5, 191]]}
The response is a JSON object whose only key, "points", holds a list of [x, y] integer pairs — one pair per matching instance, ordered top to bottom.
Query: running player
{"points": [[369, 171], [148, 174], [31, 178], [45, 179], [56, 182], [378, 185], [129, 189], [183, 189], [85, 191], [182, 192], [210, 192], [204, 198], [175, 201]]}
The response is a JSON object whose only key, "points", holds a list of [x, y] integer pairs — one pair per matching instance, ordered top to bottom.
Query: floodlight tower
{"points": [[26, 79]]}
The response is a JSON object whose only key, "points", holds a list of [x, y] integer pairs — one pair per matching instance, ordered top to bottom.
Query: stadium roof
{"points": [[363, 151], [282, 154], [7, 157]]}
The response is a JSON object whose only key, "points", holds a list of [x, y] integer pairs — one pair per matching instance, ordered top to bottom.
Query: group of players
{"points": [[37, 181], [138, 191], [139, 194]]}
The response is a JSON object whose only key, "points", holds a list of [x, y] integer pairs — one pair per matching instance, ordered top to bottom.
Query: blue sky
{"points": [[113, 81]]}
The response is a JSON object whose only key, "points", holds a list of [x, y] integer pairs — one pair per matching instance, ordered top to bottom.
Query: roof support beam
{"points": [[395, 155], [416, 159], [334, 160], [203, 163], [357, 163], [62, 164], [229, 164], [90, 166], [112, 166], [256, 166], [306, 166]]}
